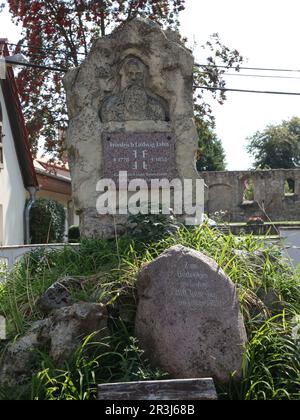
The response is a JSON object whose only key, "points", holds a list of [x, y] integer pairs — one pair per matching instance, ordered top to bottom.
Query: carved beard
{"points": [[135, 101]]}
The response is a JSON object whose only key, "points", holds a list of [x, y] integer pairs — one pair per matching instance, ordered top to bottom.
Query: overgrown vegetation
{"points": [[47, 222], [74, 234], [269, 291]]}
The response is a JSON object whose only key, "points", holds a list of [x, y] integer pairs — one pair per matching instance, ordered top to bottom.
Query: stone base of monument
{"points": [[179, 389]]}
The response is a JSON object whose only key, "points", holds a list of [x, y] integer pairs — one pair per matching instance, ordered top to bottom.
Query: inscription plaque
{"points": [[143, 155], [193, 289]]}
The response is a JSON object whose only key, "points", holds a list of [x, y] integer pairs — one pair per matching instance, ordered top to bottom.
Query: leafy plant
{"points": [[277, 146], [211, 153], [47, 222], [152, 227], [74, 234], [116, 358]]}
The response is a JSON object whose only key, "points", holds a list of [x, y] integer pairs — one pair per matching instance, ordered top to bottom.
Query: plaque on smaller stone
{"points": [[142, 155]]}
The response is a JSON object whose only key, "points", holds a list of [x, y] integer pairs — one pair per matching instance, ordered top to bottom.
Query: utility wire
{"points": [[38, 48], [196, 64], [35, 66], [246, 68], [63, 70], [254, 75], [261, 76], [196, 87], [270, 92]]}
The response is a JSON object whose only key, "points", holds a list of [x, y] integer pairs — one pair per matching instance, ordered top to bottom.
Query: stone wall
{"points": [[226, 192]]}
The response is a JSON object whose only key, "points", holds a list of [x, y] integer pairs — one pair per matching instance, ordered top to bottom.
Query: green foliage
{"points": [[210, 76], [278, 146], [211, 154], [289, 187], [249, 190], [47, 222], [152, 227], [74, 234], [35, 273], [117, 358], [272, 359], [273, 372]]}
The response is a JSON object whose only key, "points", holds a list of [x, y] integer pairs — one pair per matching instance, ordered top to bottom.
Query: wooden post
{"points": [[179, 389]]}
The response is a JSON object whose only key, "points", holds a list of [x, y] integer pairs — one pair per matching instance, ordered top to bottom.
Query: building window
{"points": [[1, 138], [289, 187], [248, 190]]}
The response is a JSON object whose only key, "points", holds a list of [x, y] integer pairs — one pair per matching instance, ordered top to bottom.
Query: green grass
{"points": [[281, 223], [272, 358]]}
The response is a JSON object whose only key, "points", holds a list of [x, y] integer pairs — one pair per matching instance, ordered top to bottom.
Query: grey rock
{"points": [[59, 294], [271, 300], [188, 317], [72, 324], [60, 335], [18, 360]]}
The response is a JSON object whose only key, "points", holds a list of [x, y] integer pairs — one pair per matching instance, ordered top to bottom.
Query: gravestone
{"points": [[130, 106], [188, 318]]}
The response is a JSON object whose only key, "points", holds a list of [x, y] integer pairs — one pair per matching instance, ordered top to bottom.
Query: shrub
{"points": [[47, 222], [152, 227], [74, 234]]}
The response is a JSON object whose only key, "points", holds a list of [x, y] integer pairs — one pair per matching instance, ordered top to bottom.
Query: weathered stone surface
{"points": [[137, 80], [133, 101], [142, 155], [226, 189], [59, 294], [272, 300], [188, 319], [71, 324], [60, 335], [18, 360], [178, 389]]}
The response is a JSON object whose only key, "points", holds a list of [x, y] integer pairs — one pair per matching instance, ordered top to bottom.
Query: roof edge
{"points": [[17, 124]]}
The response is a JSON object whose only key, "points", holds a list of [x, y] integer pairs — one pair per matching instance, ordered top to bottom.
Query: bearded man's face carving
{"points": [[133, 73]]}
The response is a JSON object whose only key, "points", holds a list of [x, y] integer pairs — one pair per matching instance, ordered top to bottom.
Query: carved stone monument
{"points": [[130, 106], [188, 319]]}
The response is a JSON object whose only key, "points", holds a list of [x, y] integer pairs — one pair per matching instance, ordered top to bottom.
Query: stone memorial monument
{"points": [[130, 106], [188, 318]]}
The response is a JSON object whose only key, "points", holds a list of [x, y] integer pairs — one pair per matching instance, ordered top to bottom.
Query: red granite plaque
{"points": [[143, 155]]}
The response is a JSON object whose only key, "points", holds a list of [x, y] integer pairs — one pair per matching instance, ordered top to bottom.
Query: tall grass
{"points": [[272, 357]]}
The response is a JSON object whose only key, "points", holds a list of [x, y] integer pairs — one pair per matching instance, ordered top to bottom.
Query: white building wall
{"points": [[12, 190]]}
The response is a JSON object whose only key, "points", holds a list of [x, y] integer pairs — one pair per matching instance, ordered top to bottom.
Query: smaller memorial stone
{"points": [[188, 319]]}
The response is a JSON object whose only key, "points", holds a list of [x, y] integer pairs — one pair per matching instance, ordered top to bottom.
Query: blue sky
{"points": [[267, 34]]}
